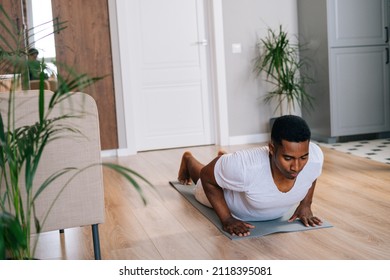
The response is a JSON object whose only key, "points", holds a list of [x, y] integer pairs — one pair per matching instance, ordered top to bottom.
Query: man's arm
{"points": [[216, 197], [303, 211]]}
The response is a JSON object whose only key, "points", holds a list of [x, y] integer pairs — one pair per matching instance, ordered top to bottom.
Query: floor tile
{"points": [[378, 149]]}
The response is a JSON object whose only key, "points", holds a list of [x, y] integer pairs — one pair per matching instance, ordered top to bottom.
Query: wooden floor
{"points": [[353, 194]]}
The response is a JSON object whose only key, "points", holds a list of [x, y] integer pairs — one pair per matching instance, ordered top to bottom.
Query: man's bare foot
{"points": [[184, 176]]}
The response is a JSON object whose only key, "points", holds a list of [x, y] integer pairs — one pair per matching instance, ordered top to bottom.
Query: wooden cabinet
{"points": [[13, 9], [11, 16], [347, 42], [86, 47]]}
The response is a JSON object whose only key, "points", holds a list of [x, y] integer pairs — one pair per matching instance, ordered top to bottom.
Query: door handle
{"points": [[387, 34], [204, 42], [387, 56]]}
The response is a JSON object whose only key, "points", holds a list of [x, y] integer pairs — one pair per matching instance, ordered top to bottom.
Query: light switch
{"points": [[236, 48]]}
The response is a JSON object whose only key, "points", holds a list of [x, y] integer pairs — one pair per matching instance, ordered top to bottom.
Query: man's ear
{"points": [[271, 147]]}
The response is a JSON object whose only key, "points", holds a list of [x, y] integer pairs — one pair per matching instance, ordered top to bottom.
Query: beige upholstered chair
{"points": [[81, 203]]}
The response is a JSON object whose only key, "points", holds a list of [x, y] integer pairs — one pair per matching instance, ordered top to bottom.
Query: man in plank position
{"points": [[261, 183]]}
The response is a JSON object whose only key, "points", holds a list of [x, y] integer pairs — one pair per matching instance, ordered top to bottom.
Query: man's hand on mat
{"points": [[305, 215], [237, 227]]}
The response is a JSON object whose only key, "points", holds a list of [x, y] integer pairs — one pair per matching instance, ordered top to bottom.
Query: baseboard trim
{"points": [[249, 139], [233, 140], [108, 153], [117, 153]]}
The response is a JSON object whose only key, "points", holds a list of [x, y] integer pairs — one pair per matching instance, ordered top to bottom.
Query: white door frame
{"points": [[122, 67]]}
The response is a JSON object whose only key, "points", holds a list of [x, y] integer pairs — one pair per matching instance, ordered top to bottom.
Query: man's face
{"points": [[33, 56], [289, 158]]}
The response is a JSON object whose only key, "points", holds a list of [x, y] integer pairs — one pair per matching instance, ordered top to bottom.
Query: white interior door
{"points": [[169, 77]]}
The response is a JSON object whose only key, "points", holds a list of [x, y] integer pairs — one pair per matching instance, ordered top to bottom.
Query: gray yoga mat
{"points": [[261, 228]]}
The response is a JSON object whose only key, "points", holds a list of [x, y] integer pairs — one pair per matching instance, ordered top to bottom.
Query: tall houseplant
{"points": [[278, 59], [21, 148]]}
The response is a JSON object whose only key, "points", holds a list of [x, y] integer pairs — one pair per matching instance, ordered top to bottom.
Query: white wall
{"points": [[244, 22]]}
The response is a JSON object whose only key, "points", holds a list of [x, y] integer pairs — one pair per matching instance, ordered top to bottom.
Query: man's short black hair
{"points": [[33, 51], [290, 128]]}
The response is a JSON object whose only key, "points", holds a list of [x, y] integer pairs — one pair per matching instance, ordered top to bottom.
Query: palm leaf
{"points": [[279, 59], [128, 174], [51, 179], [11, 236]]}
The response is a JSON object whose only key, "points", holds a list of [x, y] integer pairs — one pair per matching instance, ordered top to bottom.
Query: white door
{"points": [[169, 74]]}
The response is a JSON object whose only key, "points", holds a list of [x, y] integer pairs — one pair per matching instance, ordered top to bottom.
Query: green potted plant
{"points": [[278, 59], [21, 148]]}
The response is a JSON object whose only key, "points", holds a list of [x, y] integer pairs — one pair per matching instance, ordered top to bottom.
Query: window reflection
{"points": [[40, 22], [41, 36]]}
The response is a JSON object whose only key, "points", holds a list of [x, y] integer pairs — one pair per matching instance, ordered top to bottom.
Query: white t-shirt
{"points": [[249, 189]]}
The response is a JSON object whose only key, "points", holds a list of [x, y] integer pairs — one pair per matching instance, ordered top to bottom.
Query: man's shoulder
{"points": [[251, 152], [316, 154], [252, 156]]}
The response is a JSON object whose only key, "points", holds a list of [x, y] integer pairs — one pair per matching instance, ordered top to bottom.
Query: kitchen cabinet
{"points": [[347, 43]]}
